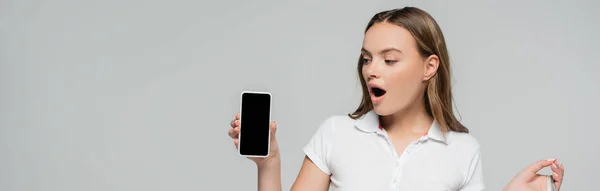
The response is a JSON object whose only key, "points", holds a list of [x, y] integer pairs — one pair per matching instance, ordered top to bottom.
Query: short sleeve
{"points": [[318, 149], [474, 178]]}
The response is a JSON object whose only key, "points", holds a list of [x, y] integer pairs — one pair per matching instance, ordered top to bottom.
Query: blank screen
{"points": [[254, 127]]}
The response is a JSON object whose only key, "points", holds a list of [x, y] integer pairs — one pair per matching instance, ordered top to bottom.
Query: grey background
{"points": [[137, 95]]}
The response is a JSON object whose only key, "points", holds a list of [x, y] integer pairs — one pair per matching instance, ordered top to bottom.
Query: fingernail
{"points": [[551, 160]]}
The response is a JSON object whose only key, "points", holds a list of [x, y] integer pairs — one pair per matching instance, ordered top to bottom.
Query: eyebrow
{"points": [[363, 50]]}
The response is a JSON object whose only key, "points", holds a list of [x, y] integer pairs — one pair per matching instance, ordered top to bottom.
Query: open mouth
{"points": [[377, 92]]}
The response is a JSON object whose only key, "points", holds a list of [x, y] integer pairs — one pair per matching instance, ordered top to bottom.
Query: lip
{"points": [[375, 99]]}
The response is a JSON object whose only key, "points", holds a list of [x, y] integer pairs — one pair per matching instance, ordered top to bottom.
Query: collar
{"points": [[369, 123]]}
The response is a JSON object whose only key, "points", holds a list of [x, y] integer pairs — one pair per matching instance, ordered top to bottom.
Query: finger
{"points": [[237, 116], [235, 123], [273, 127], [230, 132], [234, 132], [236, 142], [556, 164], [537, 166], [554, 167], [556, 170], [530, 172], [560, 172], [556, 177], [557, 180], [557, 184]]}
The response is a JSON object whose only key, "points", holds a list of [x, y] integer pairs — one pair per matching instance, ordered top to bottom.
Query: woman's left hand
{"points": [[529, 180]]}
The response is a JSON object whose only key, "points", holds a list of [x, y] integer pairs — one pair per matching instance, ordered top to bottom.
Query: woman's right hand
{"points": [[234, 132]]}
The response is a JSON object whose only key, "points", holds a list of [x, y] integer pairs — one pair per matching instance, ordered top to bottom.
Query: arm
{"points": [[314, 173], [269, 175], [311, 178], [474, 181]]}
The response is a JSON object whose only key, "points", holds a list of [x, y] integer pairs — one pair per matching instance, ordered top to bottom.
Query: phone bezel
{"points": [[240, 134]]}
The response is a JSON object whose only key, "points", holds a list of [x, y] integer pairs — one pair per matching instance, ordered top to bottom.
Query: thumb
{"points": [[273, 128], [531, 171]]}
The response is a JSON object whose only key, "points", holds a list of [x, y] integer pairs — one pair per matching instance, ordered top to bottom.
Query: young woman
{"points": [[403, 135]]}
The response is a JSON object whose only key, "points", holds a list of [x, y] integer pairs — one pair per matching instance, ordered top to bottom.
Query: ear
{"points": [[431, 66]]}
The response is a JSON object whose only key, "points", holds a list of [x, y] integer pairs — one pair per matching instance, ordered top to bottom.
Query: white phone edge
{"points": [[240, 134]]}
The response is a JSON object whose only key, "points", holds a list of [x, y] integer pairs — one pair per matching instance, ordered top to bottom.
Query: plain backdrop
{"points": [[138, 95]]}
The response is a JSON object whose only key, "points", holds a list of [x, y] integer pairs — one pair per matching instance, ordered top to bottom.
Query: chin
{"points": [[382, 111]]}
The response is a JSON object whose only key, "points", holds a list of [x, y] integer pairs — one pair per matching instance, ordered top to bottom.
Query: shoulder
{"points": [[336, 122], [335, 127], [326, 134], [465, 142], [464, 149], [467, 156]]}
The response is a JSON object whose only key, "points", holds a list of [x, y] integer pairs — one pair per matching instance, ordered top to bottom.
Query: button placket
{"points": [[404, 158], [396, 172]]}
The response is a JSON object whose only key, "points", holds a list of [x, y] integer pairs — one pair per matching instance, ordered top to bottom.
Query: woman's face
{"points": [[393, 69]]}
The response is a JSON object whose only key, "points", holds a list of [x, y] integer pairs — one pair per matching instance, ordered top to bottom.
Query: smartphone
{"points": [[255, 118]]}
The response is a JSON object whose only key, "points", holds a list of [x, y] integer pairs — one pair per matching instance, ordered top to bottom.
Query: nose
{"points": [[371, 71]]}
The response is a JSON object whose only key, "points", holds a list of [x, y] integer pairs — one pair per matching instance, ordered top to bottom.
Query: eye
{"points": [[366, 61], [391, 61]]}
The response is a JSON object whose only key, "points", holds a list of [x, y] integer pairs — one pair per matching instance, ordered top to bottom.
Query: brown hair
{"points": [[430, 41]]}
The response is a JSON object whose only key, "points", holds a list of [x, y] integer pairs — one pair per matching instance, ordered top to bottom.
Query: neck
{"points": [[413, 119]]}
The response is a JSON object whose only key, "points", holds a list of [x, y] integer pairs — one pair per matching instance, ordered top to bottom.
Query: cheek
{"points": [[364, 73], [405, 82]]}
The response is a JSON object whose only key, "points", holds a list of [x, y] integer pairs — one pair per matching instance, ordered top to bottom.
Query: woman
{"points": [[403, 135]]}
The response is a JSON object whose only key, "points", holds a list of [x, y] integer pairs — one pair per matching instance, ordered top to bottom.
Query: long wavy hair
{"points": [[430, 41]]}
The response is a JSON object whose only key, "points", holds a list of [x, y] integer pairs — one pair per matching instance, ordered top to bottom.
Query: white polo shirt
{"points": [[358, 155]]}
